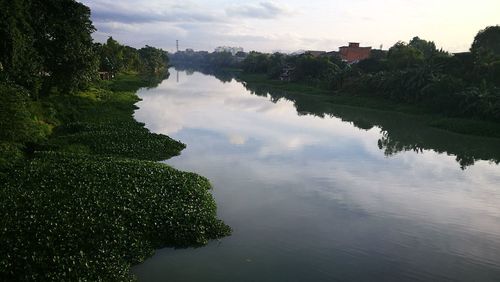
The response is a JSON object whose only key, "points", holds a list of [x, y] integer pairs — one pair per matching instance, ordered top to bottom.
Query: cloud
{"points": [[263, 10], [124, 12], [148, 17], [267, 25]]}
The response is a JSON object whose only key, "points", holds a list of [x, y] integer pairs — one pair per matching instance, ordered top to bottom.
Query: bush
{"points": [[16, 121]]}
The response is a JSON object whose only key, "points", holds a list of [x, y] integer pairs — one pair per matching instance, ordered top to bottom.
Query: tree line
{"points": [[48, 44], [47, 51], [464, 84]]}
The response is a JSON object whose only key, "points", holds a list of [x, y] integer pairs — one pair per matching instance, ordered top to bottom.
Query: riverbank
{"points": [[468, 126], [91, 201]]}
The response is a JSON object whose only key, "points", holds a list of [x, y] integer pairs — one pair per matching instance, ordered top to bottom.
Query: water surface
{"points": [[319, 192]]}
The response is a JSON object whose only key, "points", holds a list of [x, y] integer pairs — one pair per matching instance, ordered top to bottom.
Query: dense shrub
{"points": [[16, 121]]}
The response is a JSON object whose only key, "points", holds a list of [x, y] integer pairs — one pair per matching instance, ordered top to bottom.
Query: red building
{"points": [[353, 53]]}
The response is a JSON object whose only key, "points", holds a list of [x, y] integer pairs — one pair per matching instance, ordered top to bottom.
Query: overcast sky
{"points": [[291, 25]]}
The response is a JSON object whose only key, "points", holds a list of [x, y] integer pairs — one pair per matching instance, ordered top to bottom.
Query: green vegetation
{"points": [[115, 58], [207, 61], [412, 77], [260, 84], [403, 127], [80, 195], [71, 212], [70, 217]]}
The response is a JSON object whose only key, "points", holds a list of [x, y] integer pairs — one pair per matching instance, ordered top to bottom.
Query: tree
{"points": [[62, 38], [486, 45], [428, 48], [486, 52], [402, 56], [18, 57], [153, 60], [256, 62], [275, 65]]}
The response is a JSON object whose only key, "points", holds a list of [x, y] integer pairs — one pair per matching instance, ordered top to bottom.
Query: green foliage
{"points": [[63, 39], [47, 41], [486, 45], [428, 48], [486, 52], [402, 55], [18, 56], [114, 57], [154, 60], [207, 62], [256, 62], [372, 65], [311, 68], [464, 84], [16, 121], [99, 121], [19, 128], [116, 139], [10, 154], [86, 205], [70, 213], [72, 217]]}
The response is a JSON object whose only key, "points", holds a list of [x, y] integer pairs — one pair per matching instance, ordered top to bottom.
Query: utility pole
{"points": [[177, 45]]}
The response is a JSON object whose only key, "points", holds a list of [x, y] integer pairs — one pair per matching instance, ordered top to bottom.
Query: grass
{"points": [[89, 203]]}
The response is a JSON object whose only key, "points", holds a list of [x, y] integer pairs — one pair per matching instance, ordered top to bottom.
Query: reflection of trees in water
{"points": [[222, 75], [153, 80], [400, 132], [392, 147]]}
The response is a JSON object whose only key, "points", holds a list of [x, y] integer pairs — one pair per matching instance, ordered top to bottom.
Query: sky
{"points": [[291, 25]]}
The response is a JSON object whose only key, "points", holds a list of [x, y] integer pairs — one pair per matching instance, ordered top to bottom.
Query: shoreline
{"points": [[459, 125], [92, 201]]}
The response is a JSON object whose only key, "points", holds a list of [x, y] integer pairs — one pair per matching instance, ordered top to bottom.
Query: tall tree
{"points": [[62, 30], [486, 45], [428, 48], [486, 52], [402, 55], [19, 59], [154, 60]]}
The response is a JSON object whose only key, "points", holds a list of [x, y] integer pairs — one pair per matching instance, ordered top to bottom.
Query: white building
{"points": [[232, 50]]}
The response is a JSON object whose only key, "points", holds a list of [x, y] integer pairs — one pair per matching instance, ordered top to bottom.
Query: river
{"points": [[321, 192]]}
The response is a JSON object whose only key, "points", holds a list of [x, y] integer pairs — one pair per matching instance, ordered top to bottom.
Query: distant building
{"points": [[232, 50], [353, 53]]}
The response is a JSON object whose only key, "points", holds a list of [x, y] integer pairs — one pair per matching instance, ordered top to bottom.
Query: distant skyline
{"points": [[291, 25]]}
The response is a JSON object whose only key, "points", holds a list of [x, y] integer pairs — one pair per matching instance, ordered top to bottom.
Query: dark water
{"points": [[318, 192]]}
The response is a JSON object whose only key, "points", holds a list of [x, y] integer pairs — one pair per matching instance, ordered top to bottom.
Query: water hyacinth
{"points": [[116, 139], [91, 202], [70, 216]]}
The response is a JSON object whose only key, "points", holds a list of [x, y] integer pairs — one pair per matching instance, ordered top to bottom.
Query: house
{"points": [[229, 49], [353, 53]]}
